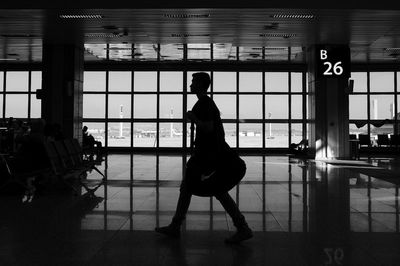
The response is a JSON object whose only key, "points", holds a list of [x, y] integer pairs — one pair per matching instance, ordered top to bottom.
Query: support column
{"points": [[63, 87], [329, 101]]}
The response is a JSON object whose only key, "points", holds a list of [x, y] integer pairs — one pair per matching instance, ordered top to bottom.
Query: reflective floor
{"points": [[303, 212]]}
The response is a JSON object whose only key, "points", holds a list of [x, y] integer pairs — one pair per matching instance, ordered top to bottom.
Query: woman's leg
{"points": [[173, 229], [243, 230]]}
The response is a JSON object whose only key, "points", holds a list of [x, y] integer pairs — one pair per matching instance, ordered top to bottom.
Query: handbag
{"points": [[225, 173]]}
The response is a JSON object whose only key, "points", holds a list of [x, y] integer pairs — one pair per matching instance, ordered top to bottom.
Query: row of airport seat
{"points": [[382, 140], [66, 165]]}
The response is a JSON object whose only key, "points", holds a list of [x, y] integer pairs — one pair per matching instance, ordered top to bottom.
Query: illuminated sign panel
{"points": [[333, 61]]}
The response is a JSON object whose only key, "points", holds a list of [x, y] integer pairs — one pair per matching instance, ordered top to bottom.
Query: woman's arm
{"points": [[206, 126]]}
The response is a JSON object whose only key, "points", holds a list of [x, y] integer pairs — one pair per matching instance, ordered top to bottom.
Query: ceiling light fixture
{"points": [[186, 15], [82, 16], [293, 16], [103, 35], [278, 35], [392, 49], [9, 59]]}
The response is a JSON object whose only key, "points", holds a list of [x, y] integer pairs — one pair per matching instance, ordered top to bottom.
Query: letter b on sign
{"points": [[323, 54]]}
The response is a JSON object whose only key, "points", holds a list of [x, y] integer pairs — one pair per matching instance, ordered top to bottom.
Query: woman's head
{"points": [[200, 82]]}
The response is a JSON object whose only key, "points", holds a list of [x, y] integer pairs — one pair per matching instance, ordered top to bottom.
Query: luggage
{"points": [[203, 180]]}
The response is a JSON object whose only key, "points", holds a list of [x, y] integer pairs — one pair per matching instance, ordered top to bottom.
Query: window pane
{"points": [[173, 51], [199, 51], [224, 51], [1, 80], [36, 80], [17, 81], [94, 81], [119, 81], [145, 81], [171, 81], [360, 81], [382, 81], [224, 82], [250, 82], [276, 82], [297, 82], [398, 83], [191, 101], [1, 105], [94, 105], [226, 105], [17, 106], [36, 106], [119, 106], [145, 106], [171, 106], [250, 106], [276, 107], [297, 107], [358, 107], [382, 107], [398, 114], [358, 129], [385, 129], [97, 130], [188, 133], [297, 133], [119, 134], [230, 134], [144, 135], [171, 135], [250, 135], [276, 135]]}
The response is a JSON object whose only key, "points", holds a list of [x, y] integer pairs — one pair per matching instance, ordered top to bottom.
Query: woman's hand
{"points": [[191, 116]]}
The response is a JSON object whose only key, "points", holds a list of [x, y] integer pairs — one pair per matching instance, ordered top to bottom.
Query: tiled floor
{"points": [[302, 213]]}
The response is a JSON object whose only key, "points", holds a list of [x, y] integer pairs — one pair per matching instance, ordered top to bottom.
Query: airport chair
{"points": [[383, 139], [364, 140], [394, 140], [79, 162], [67, 176]]}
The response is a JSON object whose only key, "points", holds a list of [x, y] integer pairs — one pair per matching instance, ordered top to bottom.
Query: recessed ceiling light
{"points": [[186, 15], [81, 16], [293, 16], [103, 35], [278, 35]]}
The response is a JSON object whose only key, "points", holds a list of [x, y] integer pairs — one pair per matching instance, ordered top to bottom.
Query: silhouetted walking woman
{"points": [[209, 144]]}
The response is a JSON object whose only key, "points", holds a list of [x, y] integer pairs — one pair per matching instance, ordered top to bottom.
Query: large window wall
{"points": [[18, 94], [374, 103], [259, 108], [141, 109]]}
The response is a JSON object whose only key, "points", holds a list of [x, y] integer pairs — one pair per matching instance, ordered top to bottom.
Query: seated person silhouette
{"points": [[209, 136], [89, 144], [300, 148], [31, 156]]}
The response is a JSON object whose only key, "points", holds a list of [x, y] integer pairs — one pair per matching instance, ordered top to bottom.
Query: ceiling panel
{"points": [[367, 32]]}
